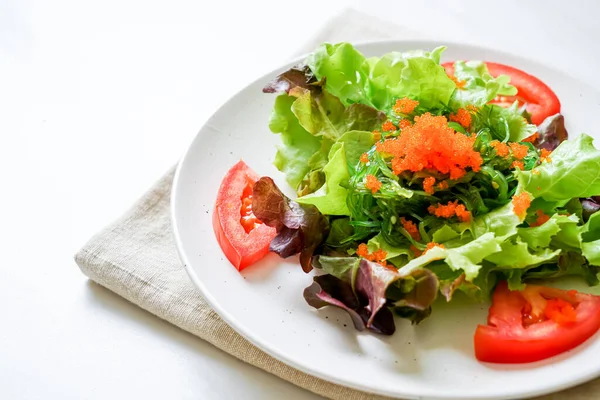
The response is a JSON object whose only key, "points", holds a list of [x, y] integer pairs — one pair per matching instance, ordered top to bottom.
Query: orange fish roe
{"points": [[459, 84], [405, 106], [462, 116], [404, 123], [388, 126], [376, 136], [532, 138], [418, 148], [501, 148], [519, 151], [545, 155], [364, 158], [518, 164], [535, 171], [372, 183], [428, 185], [443, 185], [521, 203], [450, 210], [541, 218], [411, 228], [431, 245], [362, 250], [415, 250], [377, 256]]}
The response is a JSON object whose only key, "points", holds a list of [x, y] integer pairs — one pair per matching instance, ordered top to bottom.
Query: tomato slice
{"points": [[541, 102], [242, 237], [536, 323]]}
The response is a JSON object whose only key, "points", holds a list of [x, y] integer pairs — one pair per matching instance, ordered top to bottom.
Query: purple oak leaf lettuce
{"points": [[301, 228]]}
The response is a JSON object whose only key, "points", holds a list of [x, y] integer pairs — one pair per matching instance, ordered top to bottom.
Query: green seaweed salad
{"points": [[413, 182]]}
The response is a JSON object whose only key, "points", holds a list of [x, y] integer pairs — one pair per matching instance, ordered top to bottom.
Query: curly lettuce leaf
{"points": [[345, 70], [414, 74], [378, 82], [480, 87], [323, 114], [310, 121], [504, 124], [356, 143], [292, 158], [573, 172], [330, 199], [502, 222], [301, 228], [540, 237], [378, 242], [517, 255], [466, 258], [568, 264]]}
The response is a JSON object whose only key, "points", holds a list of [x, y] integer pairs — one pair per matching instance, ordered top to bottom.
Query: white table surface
{"points": [[98, 99]]}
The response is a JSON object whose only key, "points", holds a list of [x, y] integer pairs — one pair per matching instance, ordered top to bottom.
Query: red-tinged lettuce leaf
{"points": [[297, 76], [318, 111], [552, 132], [589, 206], [301, 228], [371, 282], [375, 284], [448, 287], [420, 289], [327, 290], [379, 290], [383, 323]]}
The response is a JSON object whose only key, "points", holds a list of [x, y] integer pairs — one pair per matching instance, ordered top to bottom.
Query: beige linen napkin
{"points": [[136, 258]]}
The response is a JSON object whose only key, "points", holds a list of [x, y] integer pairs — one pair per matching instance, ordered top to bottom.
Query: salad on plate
{"points": [[417, 179]]}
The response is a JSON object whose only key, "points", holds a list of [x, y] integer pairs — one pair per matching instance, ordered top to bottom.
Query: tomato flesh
{"points": [[541, 102], [242, 237], [534, 324]]}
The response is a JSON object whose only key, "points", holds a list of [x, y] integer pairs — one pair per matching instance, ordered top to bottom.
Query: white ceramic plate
{"points": [[264, 303]]}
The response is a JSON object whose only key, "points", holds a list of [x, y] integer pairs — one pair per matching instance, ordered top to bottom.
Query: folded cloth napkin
{"points": [[136, 258]]}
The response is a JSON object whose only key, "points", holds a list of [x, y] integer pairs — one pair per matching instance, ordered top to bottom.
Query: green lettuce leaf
{"points": [[345, 69], [415, 74], [378, 82], [480, 87], [323, 114], [504, 124], [298, 144], [355, 144], [573, 172], [330, 199], [502, 222], [539, 237], [378, 242], [517, 255], [466, 258], [569, 264], [340, 267]]}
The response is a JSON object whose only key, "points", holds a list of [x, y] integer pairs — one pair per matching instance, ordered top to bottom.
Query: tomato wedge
{"points": [[541, 102], [242, 237], [536, 323]]}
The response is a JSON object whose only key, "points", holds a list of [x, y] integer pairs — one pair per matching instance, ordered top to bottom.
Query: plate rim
{"points": [[553, 387]]}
